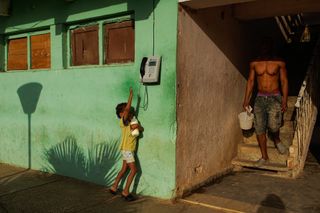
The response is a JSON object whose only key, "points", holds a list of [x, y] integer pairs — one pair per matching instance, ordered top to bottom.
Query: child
{"points": [[125, 113]]}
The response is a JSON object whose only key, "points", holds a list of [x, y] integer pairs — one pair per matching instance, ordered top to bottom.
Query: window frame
{"points": [[90, 28], [27, 35], [101, 40], [106, 46], [31, 49], [7, 52]]}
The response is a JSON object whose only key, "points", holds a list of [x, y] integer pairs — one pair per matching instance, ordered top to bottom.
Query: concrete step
{"points": [[291, 101], [290, 113], [287, 127], [286, 135], [285, 139], [252, 153], [268, 166]]}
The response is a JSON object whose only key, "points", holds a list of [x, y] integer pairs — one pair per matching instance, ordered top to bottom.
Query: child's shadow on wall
{"points": [[139, 172]]}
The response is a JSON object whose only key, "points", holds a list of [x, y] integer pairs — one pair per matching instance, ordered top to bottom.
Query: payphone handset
{"points": [[150, 69]]}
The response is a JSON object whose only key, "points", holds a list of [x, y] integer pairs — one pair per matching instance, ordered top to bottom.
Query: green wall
{"points": [[74, 130]]}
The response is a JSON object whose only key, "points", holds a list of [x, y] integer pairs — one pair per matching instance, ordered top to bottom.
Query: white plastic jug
{"points": [[246, 119]]}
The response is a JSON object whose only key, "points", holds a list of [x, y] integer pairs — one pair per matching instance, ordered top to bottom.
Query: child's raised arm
{"points": [[128, 106]]}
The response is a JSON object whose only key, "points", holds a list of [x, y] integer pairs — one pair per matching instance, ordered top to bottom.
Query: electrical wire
{"points": [[153, 27], [145, 102]]}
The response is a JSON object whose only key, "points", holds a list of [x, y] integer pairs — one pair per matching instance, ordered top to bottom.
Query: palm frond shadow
{"points": [[68, 159], [101, 160]]}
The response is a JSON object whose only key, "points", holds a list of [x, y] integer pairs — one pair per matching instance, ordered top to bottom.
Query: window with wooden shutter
{"points": [[119, 42], [84, 45], [40, 51], [17, 54]]}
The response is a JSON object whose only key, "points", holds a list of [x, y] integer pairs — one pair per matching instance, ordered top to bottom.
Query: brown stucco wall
{"points": [[213, 55]]}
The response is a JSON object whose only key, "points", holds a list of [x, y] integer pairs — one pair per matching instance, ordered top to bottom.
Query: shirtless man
{"points": [[269, 104]]}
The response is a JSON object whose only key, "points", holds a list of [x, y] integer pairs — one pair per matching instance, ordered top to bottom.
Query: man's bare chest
{"points": [[266, 69]]}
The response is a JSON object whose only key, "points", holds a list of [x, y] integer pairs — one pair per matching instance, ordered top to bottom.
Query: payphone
{"points": [[150, 69]]}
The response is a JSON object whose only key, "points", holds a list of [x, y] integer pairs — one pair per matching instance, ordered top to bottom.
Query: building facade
{"points": [[65, 66]]}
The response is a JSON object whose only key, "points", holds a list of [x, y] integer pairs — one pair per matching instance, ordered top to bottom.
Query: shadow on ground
{"points": [[30, 191], [272, 201]]}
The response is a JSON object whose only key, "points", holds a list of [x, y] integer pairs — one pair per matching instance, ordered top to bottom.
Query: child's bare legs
{"points": [[123, 170], [133, 172]]}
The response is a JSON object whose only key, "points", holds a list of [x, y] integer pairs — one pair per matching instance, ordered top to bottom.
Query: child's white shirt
{"points": [[134, 132]]}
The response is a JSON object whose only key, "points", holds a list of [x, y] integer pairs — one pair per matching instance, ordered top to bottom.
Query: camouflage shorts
{"points": [[267, 114]]}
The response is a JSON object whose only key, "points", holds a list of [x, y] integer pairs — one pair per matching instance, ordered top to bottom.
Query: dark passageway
{"points": [[297, 57]]}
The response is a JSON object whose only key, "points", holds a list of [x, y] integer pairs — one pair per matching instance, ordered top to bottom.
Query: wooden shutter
{"points": [[119, 42], [84, 45], [40, 51], [17, 54]]}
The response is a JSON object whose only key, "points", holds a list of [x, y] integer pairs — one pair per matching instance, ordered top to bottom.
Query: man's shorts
{"points": [[267, 114], [127, 156]]}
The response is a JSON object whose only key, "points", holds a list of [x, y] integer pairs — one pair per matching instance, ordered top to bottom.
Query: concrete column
{"points": [[58, 47], [2, 53]]}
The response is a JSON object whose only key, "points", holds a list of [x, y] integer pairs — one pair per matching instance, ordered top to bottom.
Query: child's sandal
{"points": [[112, 192], [129, 197]]}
